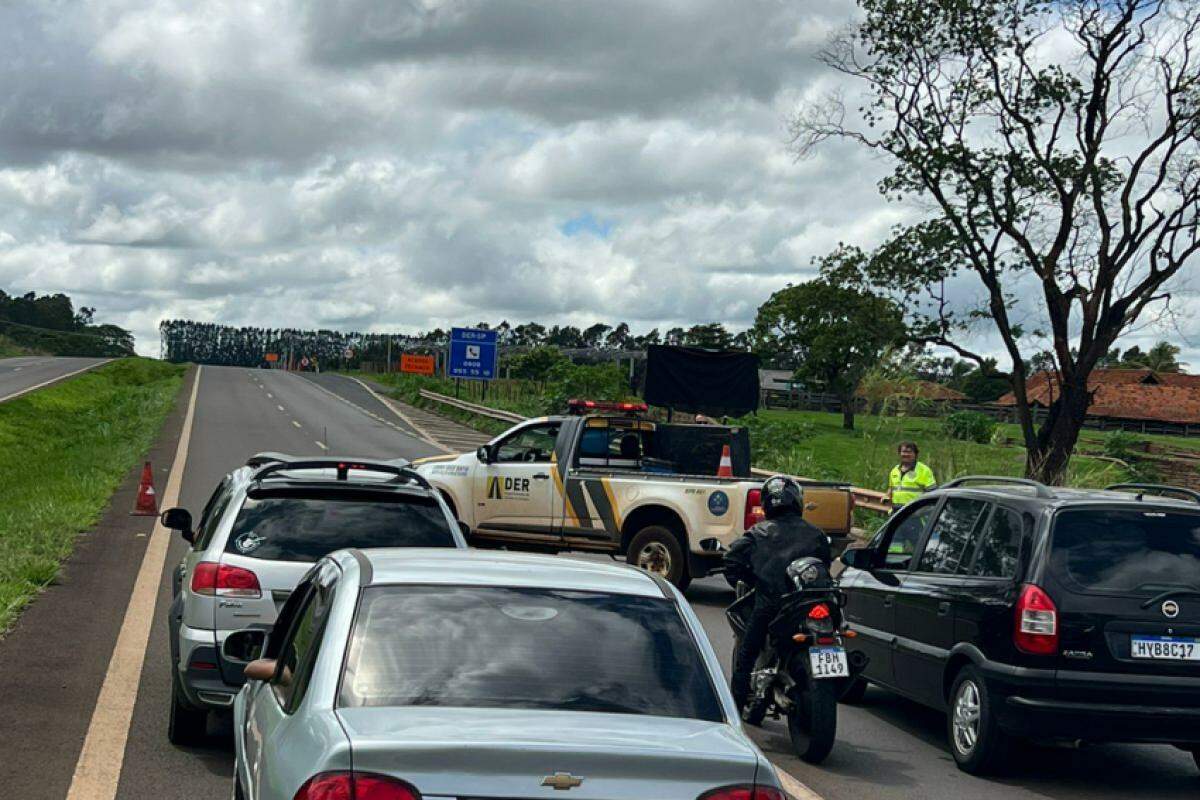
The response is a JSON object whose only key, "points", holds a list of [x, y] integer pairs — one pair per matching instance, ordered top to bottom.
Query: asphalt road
{"points": [[24, 373], [887, 747]]}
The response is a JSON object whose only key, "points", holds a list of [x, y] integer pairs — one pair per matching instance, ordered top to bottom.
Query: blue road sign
{"points": [[472, 354]]}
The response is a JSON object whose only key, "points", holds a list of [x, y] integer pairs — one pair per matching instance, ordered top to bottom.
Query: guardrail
{"points": [[474, 408], [863, 498]]}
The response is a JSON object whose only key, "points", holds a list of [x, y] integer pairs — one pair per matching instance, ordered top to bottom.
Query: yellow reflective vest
{"points": [[908, 486]]}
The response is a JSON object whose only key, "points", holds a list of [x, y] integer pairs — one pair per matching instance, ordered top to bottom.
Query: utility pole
{"points": [[389, 354]]}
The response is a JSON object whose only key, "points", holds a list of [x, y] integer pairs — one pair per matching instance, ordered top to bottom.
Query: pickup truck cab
{"points": [[601, 482]]}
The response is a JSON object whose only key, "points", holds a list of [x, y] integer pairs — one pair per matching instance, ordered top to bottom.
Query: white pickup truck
{"points": [[598, 483]]}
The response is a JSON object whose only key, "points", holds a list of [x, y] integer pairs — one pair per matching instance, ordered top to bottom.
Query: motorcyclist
{"points": [[760, 559]]}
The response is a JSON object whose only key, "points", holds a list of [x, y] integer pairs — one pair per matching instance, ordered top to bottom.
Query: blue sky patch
{"points": [[587, 223]]}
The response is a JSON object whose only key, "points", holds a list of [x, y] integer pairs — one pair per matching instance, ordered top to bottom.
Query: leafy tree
{"points": [[1055, 143], [529, 334], [829, 334], [711, 335], [593, 336], [618, 338], [1162, 357], [536, 364]]}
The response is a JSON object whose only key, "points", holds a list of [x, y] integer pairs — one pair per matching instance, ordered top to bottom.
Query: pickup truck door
{"points": [[514, 493]]}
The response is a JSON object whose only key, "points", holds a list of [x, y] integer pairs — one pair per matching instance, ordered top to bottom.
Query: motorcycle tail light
{"points": [[819, 611]]}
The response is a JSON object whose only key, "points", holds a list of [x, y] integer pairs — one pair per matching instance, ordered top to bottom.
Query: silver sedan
{"points": [[437, 674]]}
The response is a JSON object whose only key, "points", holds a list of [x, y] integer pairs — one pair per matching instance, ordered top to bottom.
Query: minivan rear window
{"points": [[289, 528], [1127, 550], [499, 647]]}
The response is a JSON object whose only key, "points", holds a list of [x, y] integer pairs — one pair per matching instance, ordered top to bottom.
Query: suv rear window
{"points": [[290, 528], [1127, 551], [494, 647]]}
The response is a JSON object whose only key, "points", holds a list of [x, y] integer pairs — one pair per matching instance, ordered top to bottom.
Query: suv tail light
{"points": [[754, 512], [224, 580], [1035, 629], [355, 786], [743, 793]]}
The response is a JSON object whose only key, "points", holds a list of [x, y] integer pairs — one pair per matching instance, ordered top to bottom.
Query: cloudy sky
{"points": [[394, 165]]}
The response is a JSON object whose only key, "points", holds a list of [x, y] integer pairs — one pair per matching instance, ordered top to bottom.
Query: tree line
{"points": [[50, 323]]}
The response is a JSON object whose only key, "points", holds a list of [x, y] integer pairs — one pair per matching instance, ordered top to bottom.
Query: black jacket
{"points": [[761, 556]]}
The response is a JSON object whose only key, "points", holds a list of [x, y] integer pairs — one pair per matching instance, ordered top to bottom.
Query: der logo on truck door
{"points": [[514, 488]]}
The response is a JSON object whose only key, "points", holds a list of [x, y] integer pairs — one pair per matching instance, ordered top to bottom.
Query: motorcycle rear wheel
{"points": [[812, 722]]}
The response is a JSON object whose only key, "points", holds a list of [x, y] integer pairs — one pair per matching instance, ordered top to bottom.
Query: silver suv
{"points": [[259, 533]]}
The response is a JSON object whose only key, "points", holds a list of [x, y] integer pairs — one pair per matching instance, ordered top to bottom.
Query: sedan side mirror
{"points": [[484, 454], [178, 519], [860, 558], [244, 646]]}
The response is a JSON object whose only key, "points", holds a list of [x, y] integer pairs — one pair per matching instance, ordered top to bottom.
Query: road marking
{"points": [[17, 369], [29, 389], [271, 396], [279, 407], [297, 424], [424, 434], [322, 445], [98, 770], [793, 787]]}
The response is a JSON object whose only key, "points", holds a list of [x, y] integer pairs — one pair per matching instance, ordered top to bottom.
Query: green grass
{"points": [[10, 349], [63, 451]]}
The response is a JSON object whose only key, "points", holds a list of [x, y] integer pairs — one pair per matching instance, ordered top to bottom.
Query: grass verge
{"points": [[63, 452]]}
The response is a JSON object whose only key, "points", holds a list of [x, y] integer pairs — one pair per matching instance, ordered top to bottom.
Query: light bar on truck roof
{"points": [[579, 406]]}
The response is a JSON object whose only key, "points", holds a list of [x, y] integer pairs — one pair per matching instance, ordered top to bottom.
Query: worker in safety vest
{"points": [[910, 478]]}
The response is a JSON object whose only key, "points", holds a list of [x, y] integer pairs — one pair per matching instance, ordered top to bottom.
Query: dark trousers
{"points": [[749, 648]]}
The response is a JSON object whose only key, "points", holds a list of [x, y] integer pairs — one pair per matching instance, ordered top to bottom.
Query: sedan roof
{"points": [[402, 565]]}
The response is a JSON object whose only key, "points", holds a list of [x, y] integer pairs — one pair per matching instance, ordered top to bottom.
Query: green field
{"points": [[10, 349], [63, 452]]}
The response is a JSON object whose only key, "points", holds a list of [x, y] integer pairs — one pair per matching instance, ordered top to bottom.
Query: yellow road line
{"points": [[98, 770]]}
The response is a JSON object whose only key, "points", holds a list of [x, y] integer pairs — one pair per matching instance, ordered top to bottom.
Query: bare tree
{"points": [[1055, 143]]}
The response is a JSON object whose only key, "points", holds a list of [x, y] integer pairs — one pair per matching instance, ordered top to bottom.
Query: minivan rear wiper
{"points": [[1169, 594]]}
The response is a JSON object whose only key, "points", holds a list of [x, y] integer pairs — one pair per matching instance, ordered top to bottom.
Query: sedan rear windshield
{"points": [[288, 528], [1127, 551], [489, 647]]}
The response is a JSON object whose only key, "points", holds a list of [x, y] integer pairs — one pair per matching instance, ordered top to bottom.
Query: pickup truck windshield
{"points": [[309, 528], [1127, 551], [493, 647]]}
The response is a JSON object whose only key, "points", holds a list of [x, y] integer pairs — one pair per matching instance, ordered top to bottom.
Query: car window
{"points": [[532, 444], [599, 446], [210, 517], [285, 527], [951, 537], [903, 542], [999, 547], [1127, 551], [497, 647], [299, 652]]}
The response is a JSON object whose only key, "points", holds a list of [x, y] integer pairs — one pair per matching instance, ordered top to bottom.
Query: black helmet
{"points": [[782, 495]]}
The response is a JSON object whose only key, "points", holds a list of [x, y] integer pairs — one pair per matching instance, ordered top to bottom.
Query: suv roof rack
{"points": [[258, 459], [281, 463], [1155, 488], [1041, 489]]}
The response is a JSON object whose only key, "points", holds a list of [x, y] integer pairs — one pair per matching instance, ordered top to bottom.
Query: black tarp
{"points": [[708, 382], [696, 449]]}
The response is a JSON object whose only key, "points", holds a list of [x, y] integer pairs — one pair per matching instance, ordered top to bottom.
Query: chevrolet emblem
{"points": [[561, 780]]}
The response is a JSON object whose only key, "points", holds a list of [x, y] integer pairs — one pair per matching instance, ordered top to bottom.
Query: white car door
{"points": [[515, 490]]}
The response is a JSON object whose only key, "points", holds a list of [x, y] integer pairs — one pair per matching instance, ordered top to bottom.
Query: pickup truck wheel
{"points": [[657, 550]]}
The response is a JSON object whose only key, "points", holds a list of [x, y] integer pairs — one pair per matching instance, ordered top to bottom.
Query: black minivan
{"points": [[1035, 612]]}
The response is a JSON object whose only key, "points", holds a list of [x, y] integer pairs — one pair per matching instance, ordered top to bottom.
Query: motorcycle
{"points": [[804, 667]]}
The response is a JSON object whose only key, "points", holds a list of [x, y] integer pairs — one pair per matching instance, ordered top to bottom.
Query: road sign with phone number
{"points": [[472, 354]]}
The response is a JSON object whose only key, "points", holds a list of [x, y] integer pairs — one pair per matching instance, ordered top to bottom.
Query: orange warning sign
{"points": [[272, 357], [419, 365]]}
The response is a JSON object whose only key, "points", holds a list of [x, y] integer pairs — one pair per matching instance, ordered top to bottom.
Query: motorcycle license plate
{"points": [[1165, 648], [829, 662]]}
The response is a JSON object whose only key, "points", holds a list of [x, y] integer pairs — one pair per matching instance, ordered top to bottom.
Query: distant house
{"points": [[776, 380], [1135, 395]]}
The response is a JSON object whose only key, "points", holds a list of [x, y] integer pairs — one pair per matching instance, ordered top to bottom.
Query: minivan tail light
{"points": [[754, 512], [223, 580], [1035, 629], [355, 786], [743, 793]]}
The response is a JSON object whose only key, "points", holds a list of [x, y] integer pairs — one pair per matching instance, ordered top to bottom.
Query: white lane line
{"points": [[17, 369], [29, 389], [271, 396], [279, 407], [297, 424], [424, 434], [322, 445], [98, 770], [793, 787]]}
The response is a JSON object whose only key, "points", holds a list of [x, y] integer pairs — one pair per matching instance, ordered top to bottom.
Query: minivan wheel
{"points": [[657, 550], [186, 726], [976, 741]]}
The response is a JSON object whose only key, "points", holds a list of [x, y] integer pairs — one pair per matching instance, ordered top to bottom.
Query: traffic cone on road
{"points": [[725, 469], [147, 500]]}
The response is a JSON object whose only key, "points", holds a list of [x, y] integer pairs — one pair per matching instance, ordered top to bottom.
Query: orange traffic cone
{"points": [[725, 469], [147, 500]]}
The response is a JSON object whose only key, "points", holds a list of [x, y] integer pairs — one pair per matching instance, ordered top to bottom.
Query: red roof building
{"points": [[1133, 394]]}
